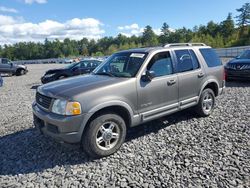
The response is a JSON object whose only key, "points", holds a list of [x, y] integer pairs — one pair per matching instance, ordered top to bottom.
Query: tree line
{"points": [[224, 34]]}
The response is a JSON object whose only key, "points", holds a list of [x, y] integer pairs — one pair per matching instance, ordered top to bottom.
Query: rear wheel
{"points": [[206, 103], [104, 135]]}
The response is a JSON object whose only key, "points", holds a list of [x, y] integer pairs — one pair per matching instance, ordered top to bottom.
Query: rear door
{"points": [[214, 65], [190, 76]]}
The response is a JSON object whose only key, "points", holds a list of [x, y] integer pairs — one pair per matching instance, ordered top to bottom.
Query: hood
{"points": [[239, 61], [53, 71], [71, 87]]}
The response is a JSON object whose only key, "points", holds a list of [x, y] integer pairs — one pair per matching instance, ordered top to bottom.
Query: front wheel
{"points": [[20, 72], [206, 103], [104, 135]]}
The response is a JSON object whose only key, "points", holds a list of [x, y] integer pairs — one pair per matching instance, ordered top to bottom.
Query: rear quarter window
{"points": [[211, 58]]}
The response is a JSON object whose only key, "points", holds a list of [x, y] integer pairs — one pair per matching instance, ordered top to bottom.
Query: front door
{"points": [[5, 66], [160, 95]]}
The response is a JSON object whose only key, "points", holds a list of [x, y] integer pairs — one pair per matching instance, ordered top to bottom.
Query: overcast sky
{"points": [[35, 20]]}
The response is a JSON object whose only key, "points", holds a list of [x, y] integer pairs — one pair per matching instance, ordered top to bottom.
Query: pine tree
{"points": [[243, 20], [149, 38]]}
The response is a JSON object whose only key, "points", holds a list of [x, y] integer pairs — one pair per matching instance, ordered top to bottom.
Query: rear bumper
{"points": [[222, 89], [66, 129]]}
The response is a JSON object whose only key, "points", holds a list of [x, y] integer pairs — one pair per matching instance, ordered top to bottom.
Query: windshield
{"points": [[245, 55], [124, 64], [70, 66]]}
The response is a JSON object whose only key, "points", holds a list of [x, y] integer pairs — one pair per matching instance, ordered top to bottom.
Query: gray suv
{"points": [[6, 66], [131, 87]]}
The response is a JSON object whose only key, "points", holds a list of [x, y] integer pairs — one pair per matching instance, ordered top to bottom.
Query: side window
{"points": [[210, 57], [194, 59], [184, 60], [4, 61], [96, 63], [83, 64], [161, 64]]}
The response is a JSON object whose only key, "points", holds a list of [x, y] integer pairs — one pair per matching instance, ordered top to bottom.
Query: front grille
{"points": [[239, 67], [43, 101]]}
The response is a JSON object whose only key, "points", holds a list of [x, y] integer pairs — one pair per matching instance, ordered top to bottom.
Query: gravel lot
{"points": [[182, 150]]}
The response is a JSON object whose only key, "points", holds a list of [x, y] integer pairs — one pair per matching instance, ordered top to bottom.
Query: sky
{"points": [[35, 20]]}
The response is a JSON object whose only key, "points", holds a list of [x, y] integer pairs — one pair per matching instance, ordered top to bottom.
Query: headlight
{"points": [[49, 75], [64, 107]]}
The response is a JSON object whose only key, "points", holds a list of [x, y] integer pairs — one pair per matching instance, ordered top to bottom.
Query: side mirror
{"points": [[11, 64], [148, 76]]}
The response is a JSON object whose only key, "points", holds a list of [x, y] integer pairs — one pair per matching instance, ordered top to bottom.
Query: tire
{"points": [[20, 72], [206, 103], [104, 135]]}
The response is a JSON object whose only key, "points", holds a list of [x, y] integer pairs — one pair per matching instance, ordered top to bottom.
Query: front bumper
{"points": [[237, 74], [66, 129]]}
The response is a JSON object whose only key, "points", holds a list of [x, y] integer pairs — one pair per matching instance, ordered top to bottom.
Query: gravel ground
{"points": [[181, 150]]}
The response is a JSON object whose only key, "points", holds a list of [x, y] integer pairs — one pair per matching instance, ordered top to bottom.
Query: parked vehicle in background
{"points": [[6, 66], [239, 68], [74, 69], [1, 81], [130, 88]]}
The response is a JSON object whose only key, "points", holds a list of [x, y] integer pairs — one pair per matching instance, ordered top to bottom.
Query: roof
{"points": [[167, 46], [143, 50]]}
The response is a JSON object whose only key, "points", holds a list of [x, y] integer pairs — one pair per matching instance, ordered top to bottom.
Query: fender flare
{"points": [[208, 82], [112, 103], [95, 109]]}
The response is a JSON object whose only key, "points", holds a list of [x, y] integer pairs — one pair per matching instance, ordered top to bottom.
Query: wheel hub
{"points": [[107, 135]]}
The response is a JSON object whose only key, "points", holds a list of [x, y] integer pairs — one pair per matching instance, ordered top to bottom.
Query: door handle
{"points": [[201, 75], [171, 82]]}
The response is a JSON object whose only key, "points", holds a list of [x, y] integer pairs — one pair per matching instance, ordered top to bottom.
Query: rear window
{"points": [[211, 58]]}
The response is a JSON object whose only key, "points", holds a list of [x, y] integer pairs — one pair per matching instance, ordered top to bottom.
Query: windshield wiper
{"points": [[105, 73]]}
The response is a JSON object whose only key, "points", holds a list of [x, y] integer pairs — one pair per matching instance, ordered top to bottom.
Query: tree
{"points": [[243, 20], [227, 26], [212, 28], [165, 29], [165, 32], [149, 38], [112, 49], [85, 51]]}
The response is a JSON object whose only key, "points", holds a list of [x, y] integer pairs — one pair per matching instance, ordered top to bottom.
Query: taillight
{"points": [[224, 75]]}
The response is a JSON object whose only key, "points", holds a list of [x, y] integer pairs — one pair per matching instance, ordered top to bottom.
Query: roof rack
{"points": [[183, 44]]}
